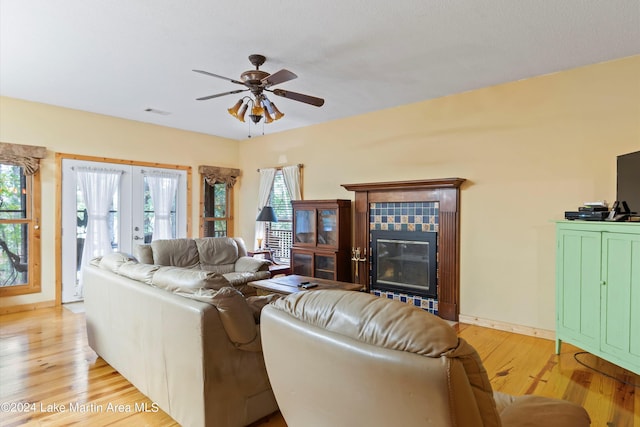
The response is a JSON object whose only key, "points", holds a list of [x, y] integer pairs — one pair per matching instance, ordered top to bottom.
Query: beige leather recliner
{"points": [[337, 358]]}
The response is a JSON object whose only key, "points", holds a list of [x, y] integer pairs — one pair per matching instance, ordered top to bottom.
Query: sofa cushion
{"points": [[216, 251], [175, 252], [143, 253], [114, 260], [140, 272], [179, 279]]}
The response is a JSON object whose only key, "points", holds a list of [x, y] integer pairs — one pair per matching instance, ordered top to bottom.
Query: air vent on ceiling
{"points": [[156, 111]]}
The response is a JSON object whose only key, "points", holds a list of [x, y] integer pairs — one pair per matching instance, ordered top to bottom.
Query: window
{"points": [[216, 200], [216, 219], [19, 231], [279, 234]]}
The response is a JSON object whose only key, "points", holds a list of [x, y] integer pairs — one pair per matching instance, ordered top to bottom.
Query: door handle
{"points": [[137, 238]]}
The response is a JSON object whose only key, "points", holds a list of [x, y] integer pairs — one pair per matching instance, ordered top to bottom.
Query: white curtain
{"points": [[291, 175], [267, 176], [98, 187], [162, 187]]}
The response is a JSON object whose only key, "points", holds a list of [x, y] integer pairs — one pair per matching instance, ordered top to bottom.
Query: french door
{"points": [[111, 207]]}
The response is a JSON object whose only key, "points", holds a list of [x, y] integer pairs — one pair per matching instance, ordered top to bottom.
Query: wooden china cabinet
{"points": [[322, 239]]}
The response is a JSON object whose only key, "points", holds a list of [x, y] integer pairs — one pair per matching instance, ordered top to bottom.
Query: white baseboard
{"points": [[509, 327]]}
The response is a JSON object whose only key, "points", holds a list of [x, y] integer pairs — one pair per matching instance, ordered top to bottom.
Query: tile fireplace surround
{"points": [[421, 205], [405, 216]]}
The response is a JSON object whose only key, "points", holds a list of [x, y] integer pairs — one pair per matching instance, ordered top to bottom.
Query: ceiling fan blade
{"points": [[220, 77], [278, 77], [204, 98], [307, 99]]}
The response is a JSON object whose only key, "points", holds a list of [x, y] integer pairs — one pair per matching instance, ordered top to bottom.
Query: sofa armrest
{"points": [[251, 265]]}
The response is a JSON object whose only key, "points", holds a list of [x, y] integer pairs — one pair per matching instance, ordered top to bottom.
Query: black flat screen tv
{"points": [[629, 180]]}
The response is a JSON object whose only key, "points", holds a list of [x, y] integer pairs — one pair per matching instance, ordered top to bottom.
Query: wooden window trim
{"points": [[34, 204]]}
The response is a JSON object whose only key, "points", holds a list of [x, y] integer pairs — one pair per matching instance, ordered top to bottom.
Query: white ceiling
{"points": [[119, 57]]}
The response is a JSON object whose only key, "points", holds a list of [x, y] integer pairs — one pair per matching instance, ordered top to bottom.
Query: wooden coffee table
{"points": [[286, 285]]}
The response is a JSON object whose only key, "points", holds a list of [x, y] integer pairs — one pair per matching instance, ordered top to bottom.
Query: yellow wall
{"points": [[75, 132], [529, 149]]}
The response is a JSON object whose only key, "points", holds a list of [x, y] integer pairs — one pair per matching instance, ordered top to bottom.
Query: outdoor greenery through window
{"points": [[216, 216], [18, 227], [279, 234]]}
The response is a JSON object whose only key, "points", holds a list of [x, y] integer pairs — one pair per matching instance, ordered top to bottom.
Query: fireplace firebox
{"points": [[404, 261]]}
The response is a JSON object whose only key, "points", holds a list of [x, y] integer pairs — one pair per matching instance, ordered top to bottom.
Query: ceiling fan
{"points": [[258, 82]]}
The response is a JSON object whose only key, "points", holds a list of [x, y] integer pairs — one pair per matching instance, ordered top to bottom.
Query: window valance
{"points": [[26, 156], [213, 174]]}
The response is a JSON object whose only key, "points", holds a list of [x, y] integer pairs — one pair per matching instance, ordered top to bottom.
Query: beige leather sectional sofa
{"points": [[184, 337]]}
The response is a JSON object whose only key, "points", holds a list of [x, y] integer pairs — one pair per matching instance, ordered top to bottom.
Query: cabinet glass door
{"points": [[305, 227], [327, 227], [301, 263], [325, 267]]}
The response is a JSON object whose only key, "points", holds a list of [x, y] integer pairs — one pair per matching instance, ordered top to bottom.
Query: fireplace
{"points": [[445, 220], [404, 261]]}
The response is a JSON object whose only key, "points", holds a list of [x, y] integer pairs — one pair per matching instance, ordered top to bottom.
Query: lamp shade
{"points": [[267, 214]]}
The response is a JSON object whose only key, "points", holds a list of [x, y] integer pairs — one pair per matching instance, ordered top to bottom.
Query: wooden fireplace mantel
{"points": [[406, 185], [446, 192]]}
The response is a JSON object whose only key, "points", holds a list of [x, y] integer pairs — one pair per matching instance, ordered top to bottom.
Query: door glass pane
{"points": [[155, 211], [148, 214], [113, 222], [81, 229], [14, 253]]}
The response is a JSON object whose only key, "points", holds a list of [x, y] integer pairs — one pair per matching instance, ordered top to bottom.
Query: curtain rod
{"points": [[300, 165]]}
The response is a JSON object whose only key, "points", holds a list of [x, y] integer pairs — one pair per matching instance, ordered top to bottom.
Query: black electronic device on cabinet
{"points": [[628, 180]]}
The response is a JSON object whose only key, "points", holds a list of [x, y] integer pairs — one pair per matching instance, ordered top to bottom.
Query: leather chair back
{"points": [[338, 358]]}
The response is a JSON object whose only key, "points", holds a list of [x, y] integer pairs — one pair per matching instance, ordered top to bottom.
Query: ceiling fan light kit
{"points": [[258, 81], [234, 110]]}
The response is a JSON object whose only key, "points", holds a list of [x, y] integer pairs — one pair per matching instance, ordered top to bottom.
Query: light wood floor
{"points": [[45, 360]]}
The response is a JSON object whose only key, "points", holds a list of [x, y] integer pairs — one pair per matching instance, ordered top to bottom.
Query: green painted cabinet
{"points": [[598, 289]]}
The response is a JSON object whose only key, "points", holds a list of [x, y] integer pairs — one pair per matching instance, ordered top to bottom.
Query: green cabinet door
{"points": [[578, 279], [621, 297]]}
